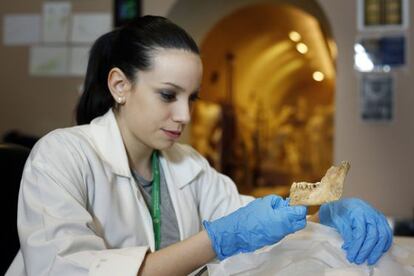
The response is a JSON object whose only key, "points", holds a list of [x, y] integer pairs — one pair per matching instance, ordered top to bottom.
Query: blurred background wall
{"points": [[35, 105], [380, 153]]}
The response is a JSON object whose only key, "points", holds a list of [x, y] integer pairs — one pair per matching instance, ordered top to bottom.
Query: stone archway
{"points": [[198, 17], [264, 121]]}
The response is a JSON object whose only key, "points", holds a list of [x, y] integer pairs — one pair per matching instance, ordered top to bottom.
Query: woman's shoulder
{"points": [[69, 135], [66, 141]]}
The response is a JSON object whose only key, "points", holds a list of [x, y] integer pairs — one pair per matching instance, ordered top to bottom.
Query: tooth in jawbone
{"points": [[328, 189]]}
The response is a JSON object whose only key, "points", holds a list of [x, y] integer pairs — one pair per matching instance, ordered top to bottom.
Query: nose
{"points": [[182, 113]]}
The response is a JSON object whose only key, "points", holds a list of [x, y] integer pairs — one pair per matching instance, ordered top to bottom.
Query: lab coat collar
{"points": [[108, 140], [110, 147], [182, 166]]}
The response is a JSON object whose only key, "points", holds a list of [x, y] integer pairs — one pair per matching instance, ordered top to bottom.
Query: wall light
{"points": [[294, 36], [302, 48], [318, 76]]}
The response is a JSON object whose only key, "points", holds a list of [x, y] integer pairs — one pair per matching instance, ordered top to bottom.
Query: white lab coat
{"points": [[80, 211]]}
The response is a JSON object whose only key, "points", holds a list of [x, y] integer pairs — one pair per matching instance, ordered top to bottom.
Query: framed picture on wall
{"points": [[125, 11], [383, 14], [377, 91]]}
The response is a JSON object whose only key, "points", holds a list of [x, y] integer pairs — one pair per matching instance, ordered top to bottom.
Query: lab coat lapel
{"points": [[108, 140], [110, 147], [183, 167], [179, 170]]}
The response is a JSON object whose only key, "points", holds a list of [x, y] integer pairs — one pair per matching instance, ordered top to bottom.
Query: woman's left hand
{"points": [[364, 229]]}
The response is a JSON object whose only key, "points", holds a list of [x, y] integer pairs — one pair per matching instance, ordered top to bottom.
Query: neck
{"points": [[139, 154], [140, 161]]}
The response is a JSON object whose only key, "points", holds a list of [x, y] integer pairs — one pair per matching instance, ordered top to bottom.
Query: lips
{"points": [[172, 134]]}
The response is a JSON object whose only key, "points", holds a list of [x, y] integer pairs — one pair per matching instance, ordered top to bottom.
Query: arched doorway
{"points": [[266, 118]]}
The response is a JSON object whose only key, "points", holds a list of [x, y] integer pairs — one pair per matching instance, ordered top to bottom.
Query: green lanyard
{"points": [[155, 198]]}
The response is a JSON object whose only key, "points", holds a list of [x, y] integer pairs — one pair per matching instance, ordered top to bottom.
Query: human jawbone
{"points": [[328, 189]]}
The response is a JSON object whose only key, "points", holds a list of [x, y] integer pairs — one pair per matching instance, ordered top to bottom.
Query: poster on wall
{"points": [[383, 14], [56, 18], [87, 27], [21, 29], [381, 53], [78, 60], [48, 61], [377, 97]]}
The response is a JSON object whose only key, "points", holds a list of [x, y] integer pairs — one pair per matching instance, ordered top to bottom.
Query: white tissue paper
{"points": [[315, 250]]}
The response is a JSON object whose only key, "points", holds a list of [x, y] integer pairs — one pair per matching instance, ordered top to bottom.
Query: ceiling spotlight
{"points": [[294, 36], [302, 48], [318, 76]]}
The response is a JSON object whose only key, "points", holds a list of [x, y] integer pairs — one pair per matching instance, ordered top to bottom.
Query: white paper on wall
{"points": [[56, 19], [87, 27], [21, 29], [78, 60], [48, 61]]}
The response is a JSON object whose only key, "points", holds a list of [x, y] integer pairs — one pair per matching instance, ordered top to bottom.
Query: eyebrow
{"points": [[174, 85], [179, 87]]}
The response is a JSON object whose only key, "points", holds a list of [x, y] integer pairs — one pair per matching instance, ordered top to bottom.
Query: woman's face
{"points": [[159, 103]]}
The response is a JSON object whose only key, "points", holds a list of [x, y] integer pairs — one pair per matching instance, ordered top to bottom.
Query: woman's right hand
{"points": [[263, 221]]}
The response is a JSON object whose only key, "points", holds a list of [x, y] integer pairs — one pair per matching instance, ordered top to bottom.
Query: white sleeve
{"points": [[57, 233]]}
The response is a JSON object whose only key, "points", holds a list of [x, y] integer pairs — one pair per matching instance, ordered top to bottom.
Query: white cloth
{"points": [[80, 211], [313, 251]]}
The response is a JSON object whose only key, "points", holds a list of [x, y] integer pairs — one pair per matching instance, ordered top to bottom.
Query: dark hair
{"points": [[129, 48]]}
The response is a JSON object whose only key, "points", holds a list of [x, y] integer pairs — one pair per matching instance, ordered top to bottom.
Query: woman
{"points": [[117, 195]]}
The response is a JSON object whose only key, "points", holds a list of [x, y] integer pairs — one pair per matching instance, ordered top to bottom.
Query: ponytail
{"points": [[96, 98]]}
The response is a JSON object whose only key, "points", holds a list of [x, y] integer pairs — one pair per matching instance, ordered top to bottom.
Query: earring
{"points": [[119, 99]]}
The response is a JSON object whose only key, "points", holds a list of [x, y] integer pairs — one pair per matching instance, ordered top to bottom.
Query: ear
{"points": [[119, 85]]}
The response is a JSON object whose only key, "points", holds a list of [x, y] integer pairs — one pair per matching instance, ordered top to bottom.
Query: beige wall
{"points": [[157, 7], [36, 105], [381, 154]]}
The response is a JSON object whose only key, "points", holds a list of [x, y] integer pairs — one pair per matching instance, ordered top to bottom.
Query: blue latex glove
{"points": [[263, 221], [365, 230]]}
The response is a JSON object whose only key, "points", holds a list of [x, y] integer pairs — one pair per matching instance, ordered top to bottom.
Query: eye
{"points": [[168, 96], [194, 97]]}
